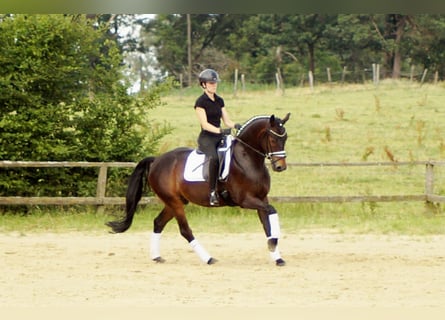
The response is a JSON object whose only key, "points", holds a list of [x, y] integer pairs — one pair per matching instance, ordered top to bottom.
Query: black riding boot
{"points": [[213, 178]]}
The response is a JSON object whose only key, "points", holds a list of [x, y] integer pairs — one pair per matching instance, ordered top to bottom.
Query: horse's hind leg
{"points": [[158, 225]]}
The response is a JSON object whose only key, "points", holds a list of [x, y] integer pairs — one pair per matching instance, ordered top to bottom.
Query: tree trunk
{"points": [[399, 22], [311, 49]]}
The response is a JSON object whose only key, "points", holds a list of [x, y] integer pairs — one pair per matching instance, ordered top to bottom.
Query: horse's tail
{"points": [[133, 196]]}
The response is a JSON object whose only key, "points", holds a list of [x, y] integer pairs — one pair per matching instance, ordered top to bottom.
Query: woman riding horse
{"points": [[210, 110], [247, 185]]}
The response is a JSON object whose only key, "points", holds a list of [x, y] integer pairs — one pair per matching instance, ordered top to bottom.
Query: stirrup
{"points": [[214, 201]]}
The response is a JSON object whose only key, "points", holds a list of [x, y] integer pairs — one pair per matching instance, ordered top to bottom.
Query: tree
{"points": [[392, 30], [167, 35], [298, 37], [353, 40], [428, 43], [257, 44], [63, 97]]}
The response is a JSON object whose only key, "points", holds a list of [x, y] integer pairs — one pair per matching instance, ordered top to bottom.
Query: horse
{"points": [[247, 185]]}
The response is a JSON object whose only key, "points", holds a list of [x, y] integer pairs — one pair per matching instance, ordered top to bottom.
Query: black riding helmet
{"points": [[208, 75]]}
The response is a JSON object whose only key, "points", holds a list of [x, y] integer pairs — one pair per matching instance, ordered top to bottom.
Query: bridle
{"points": [[280, 154]]}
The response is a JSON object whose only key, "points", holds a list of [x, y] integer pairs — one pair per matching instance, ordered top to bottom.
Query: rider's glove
{"points": [[226, 132]]}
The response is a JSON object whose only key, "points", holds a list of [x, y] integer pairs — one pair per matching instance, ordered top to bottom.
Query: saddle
{"points": [[197, 164]]}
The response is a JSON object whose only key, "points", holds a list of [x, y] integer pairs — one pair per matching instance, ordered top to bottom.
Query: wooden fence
{"points": [[100, 199]]}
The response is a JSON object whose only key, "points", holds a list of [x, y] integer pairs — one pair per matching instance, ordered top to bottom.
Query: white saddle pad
{"points": [[194, 164], [193, 167]]}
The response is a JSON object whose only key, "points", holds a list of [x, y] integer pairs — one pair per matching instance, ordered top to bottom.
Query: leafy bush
{"points": [[63, 97]]}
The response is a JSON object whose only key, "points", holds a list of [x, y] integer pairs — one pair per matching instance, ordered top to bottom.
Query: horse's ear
{"points": [[286, 118], [272, 120]]}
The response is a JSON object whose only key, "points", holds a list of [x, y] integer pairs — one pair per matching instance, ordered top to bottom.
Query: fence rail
{"points": [[100, 199]]}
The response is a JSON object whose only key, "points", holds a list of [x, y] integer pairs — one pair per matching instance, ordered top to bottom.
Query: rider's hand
{"points": [[237, 126], [226, 132]]}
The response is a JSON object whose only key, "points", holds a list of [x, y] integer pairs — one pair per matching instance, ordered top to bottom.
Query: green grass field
{"points": [[396, 121], [345, 123], [405, 218]]}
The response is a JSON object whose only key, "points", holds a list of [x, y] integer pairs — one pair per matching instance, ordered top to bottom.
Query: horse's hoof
{"points": [[159, 260], [212, 261], [280, 262]]}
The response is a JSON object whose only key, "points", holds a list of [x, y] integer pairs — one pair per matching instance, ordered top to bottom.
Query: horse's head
{"points": [[266, 136], [276, 139]]}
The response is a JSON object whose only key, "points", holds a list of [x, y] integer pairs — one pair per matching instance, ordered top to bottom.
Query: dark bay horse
{"points": [[247, 185]]}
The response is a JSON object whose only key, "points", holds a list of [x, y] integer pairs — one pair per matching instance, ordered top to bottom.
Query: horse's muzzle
{"points": [[278, 160], [279, 165]]}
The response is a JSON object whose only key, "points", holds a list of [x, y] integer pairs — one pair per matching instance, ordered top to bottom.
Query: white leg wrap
{"points": [[274, 226], [155, 245], [200, 251], [275, 255]]}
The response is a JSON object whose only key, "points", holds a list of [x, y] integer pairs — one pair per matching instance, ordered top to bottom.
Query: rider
{"points": [[210, 110]]}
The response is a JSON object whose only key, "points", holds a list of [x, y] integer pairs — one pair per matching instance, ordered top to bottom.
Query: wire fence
{"points": [[373, 74]]}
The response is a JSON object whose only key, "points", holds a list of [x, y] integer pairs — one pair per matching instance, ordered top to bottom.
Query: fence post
{"points": [[328, 71], [343, 75], [377, 75], [423, 76], [279, 79], [311, 80], [243, 83], [181, 85], [429, 181], [101, 186]]}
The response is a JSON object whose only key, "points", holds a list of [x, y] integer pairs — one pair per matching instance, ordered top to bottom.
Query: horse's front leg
{"points": [[271, 224]]}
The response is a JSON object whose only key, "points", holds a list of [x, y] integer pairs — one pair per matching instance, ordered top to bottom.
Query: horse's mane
{"points": [[248, 122]]}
